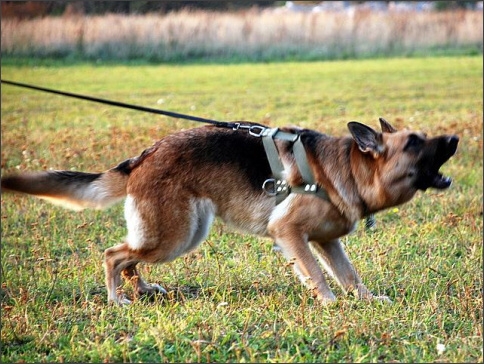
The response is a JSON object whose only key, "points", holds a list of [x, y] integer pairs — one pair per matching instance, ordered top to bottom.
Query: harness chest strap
{"points": [[280, 187]]}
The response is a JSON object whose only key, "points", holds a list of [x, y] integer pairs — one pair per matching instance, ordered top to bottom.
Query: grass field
{"points": [[234, 299]]}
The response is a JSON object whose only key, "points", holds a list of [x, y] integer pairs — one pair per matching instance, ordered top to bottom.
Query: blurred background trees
{"points": [[37, 8], [31, 9]]}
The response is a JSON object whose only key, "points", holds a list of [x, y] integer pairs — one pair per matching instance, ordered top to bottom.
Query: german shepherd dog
{"points": [[176, 188]]}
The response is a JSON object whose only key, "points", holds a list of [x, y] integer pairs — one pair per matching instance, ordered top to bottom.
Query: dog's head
{"points": [[401, 162]]}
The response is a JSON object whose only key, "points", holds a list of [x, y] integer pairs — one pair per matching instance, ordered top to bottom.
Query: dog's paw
{"points": [[156, 288], [151, 289], [364, 294], [325, 299], [384, 299], [120, 301], [123, 301]]}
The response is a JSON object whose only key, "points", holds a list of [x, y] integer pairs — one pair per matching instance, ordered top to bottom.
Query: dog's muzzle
{"points": [[436, 153]]}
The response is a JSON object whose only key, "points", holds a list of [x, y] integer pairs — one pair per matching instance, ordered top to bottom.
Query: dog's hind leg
{"points": [[155, 240], [117, 259], [121, 260], [336, 262], [131, 274]]}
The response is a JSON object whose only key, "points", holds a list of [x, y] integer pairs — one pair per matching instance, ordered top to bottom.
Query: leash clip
{"points": [[254, 130]]}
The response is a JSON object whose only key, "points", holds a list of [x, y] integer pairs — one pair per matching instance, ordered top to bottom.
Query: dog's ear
{"points": [[386, 127], [367, 139]]}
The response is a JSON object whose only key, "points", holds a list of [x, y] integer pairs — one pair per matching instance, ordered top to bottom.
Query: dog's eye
{"points": [[414, 142]]}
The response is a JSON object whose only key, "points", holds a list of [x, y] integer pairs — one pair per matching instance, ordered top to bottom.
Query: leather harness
{"points": [[278, 185]]}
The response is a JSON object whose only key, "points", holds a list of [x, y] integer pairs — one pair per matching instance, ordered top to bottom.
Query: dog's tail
{"points": [[74, 190]]}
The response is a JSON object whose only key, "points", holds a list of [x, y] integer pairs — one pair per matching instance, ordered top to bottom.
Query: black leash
{"points": [[221, 124], [255, 130]]}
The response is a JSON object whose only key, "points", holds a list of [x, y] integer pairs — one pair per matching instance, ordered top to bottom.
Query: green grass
{"points": [[234, 299]]}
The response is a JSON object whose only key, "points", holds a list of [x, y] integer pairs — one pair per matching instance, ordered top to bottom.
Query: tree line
{"points": [[32, 9]]}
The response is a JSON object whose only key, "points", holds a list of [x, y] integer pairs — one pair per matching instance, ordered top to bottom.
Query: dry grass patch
{"points": [[256, 35]]}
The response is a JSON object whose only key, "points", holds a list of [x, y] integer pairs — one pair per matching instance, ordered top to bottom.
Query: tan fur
{"points": [[177, 187]]}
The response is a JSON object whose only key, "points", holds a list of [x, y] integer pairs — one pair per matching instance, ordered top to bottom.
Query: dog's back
{"points": [[188, 156]]}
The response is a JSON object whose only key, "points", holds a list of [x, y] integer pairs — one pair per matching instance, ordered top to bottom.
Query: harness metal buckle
{"points": [[269, 187], [274, 187]]}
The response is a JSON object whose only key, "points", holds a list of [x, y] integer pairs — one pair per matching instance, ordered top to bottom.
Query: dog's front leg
{"points": [[296, 249], [338, 265]]}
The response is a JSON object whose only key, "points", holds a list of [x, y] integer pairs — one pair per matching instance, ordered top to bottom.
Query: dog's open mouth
{"points": [[439, 151], [429, 179]]}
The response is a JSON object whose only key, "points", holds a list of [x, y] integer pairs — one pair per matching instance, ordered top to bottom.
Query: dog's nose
{"points": [[452, 140]]}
